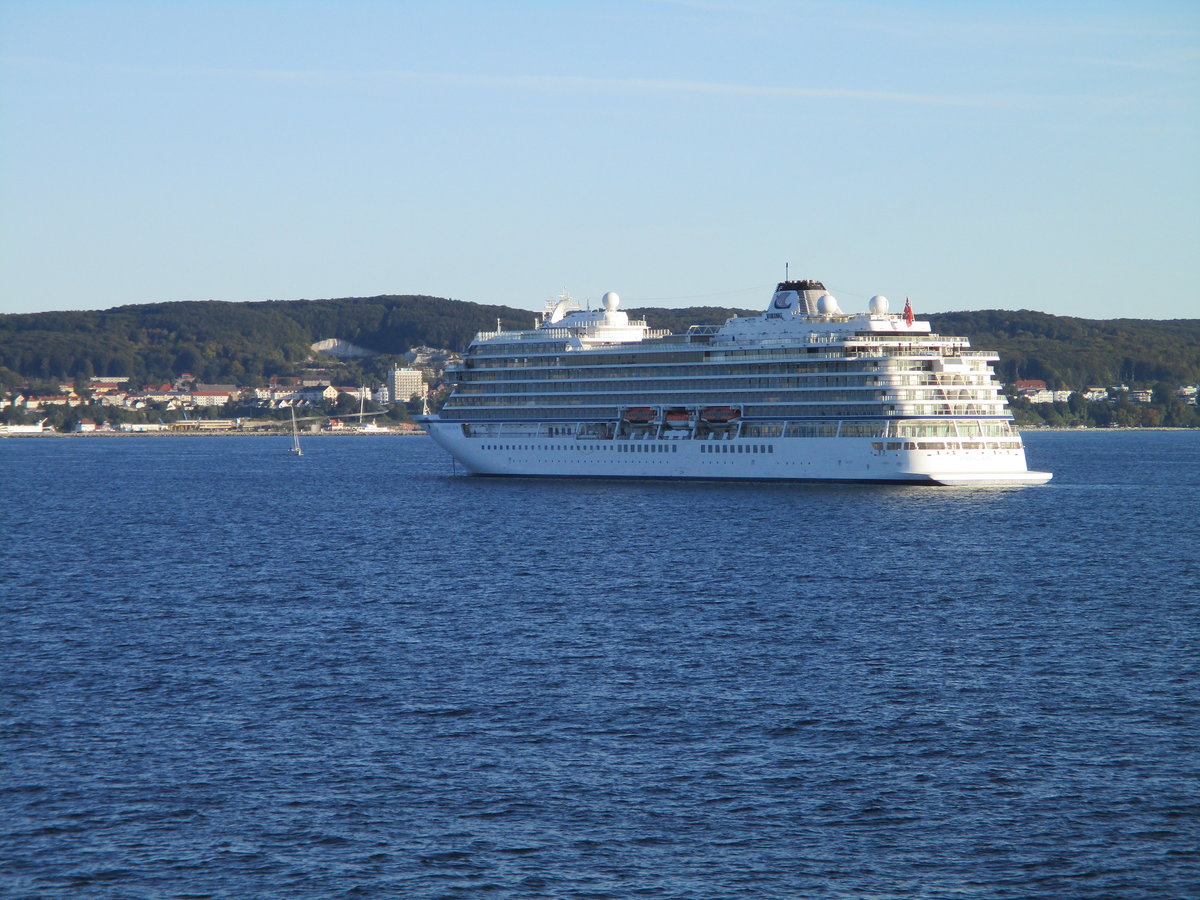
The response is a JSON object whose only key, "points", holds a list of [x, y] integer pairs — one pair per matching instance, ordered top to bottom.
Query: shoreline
{"points": [[1028, 428], [213, 433], [421, 433]]}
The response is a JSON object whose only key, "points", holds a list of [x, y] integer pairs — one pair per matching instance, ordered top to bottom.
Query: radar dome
{"points": [[611, 300], [827, 305], [878, 305]]}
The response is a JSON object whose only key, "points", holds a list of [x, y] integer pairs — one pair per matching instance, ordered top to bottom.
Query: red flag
{"points": [[907, 312]]}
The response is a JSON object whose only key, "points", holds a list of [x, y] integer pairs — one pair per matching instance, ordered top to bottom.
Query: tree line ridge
{"points": [[246, 343]]}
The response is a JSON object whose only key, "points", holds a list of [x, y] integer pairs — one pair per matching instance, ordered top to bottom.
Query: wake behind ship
{"points": [[801, 392]]}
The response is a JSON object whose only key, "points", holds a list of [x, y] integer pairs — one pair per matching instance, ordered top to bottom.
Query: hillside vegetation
{"points": [[231, 342], [245, 343], [1071, 353]]}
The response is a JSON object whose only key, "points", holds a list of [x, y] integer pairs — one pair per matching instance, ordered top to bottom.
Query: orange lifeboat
{"points": [[640, 415], [719, 415], [677, 418]]}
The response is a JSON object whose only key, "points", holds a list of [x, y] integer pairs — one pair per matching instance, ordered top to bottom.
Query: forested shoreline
{"points": [[248, 343]]}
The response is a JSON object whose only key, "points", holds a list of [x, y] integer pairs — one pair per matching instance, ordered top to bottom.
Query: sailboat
{"points": [[365, 426], [295, 448]]}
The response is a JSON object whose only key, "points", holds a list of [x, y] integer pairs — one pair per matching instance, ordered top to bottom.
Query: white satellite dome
{"points": [[611, 300], [827, 305], [878, 305]]}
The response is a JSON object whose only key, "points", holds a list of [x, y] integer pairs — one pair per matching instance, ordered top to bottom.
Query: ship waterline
{"points": [[802, 392]]}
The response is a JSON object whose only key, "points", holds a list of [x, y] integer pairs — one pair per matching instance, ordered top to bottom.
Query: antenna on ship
{"points": [[786, 266]]}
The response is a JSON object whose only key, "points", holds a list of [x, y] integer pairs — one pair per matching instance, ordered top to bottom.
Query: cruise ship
{"points": [[800, 392]]}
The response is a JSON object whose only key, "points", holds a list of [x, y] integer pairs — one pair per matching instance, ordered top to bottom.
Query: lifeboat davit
{"points": [[640, 415], [718, 415]]}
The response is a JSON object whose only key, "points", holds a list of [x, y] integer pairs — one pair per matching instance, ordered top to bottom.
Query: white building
{"points": [[404, 384]]}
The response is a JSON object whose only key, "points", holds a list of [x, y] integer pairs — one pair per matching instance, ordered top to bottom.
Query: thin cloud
{"points": [[926, 22], [1170, 63], [384, 78], [631, 85]]}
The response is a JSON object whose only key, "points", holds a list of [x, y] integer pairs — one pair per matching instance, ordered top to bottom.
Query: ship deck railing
{"points": [[560, 334], [924, 425]]}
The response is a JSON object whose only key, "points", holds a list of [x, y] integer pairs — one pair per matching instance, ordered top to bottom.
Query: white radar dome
{"points": [[611, 300], [827, 305], [878, 305]]}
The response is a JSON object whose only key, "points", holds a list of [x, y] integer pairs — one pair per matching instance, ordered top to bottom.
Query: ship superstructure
{"points": [[802, 391]]}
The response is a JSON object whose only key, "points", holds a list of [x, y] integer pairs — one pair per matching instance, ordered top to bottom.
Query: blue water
{"points": [[226, 672]]}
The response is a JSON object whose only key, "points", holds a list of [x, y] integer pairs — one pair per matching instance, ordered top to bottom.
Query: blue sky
{"points": [[971, 156]]}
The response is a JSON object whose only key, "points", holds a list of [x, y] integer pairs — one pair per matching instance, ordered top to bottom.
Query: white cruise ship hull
{"points": [[801, 392], [843, 459]]}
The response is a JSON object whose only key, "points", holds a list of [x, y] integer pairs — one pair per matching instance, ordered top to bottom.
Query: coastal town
{"points": [[1035, 391], [1035, 404], [112, 405]]}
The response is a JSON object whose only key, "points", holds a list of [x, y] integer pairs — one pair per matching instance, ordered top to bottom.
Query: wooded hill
{"points": [[223, 342], [245, 343], [1069, 353]]}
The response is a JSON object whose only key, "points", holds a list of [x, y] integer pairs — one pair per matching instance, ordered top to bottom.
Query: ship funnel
{"points": [[808, 293]]}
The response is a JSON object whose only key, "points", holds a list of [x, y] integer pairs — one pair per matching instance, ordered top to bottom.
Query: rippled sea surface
{"points": [[226, 672]]}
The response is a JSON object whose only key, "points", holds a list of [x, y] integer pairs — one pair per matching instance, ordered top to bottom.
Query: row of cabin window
{"points": [[648, 447]]}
